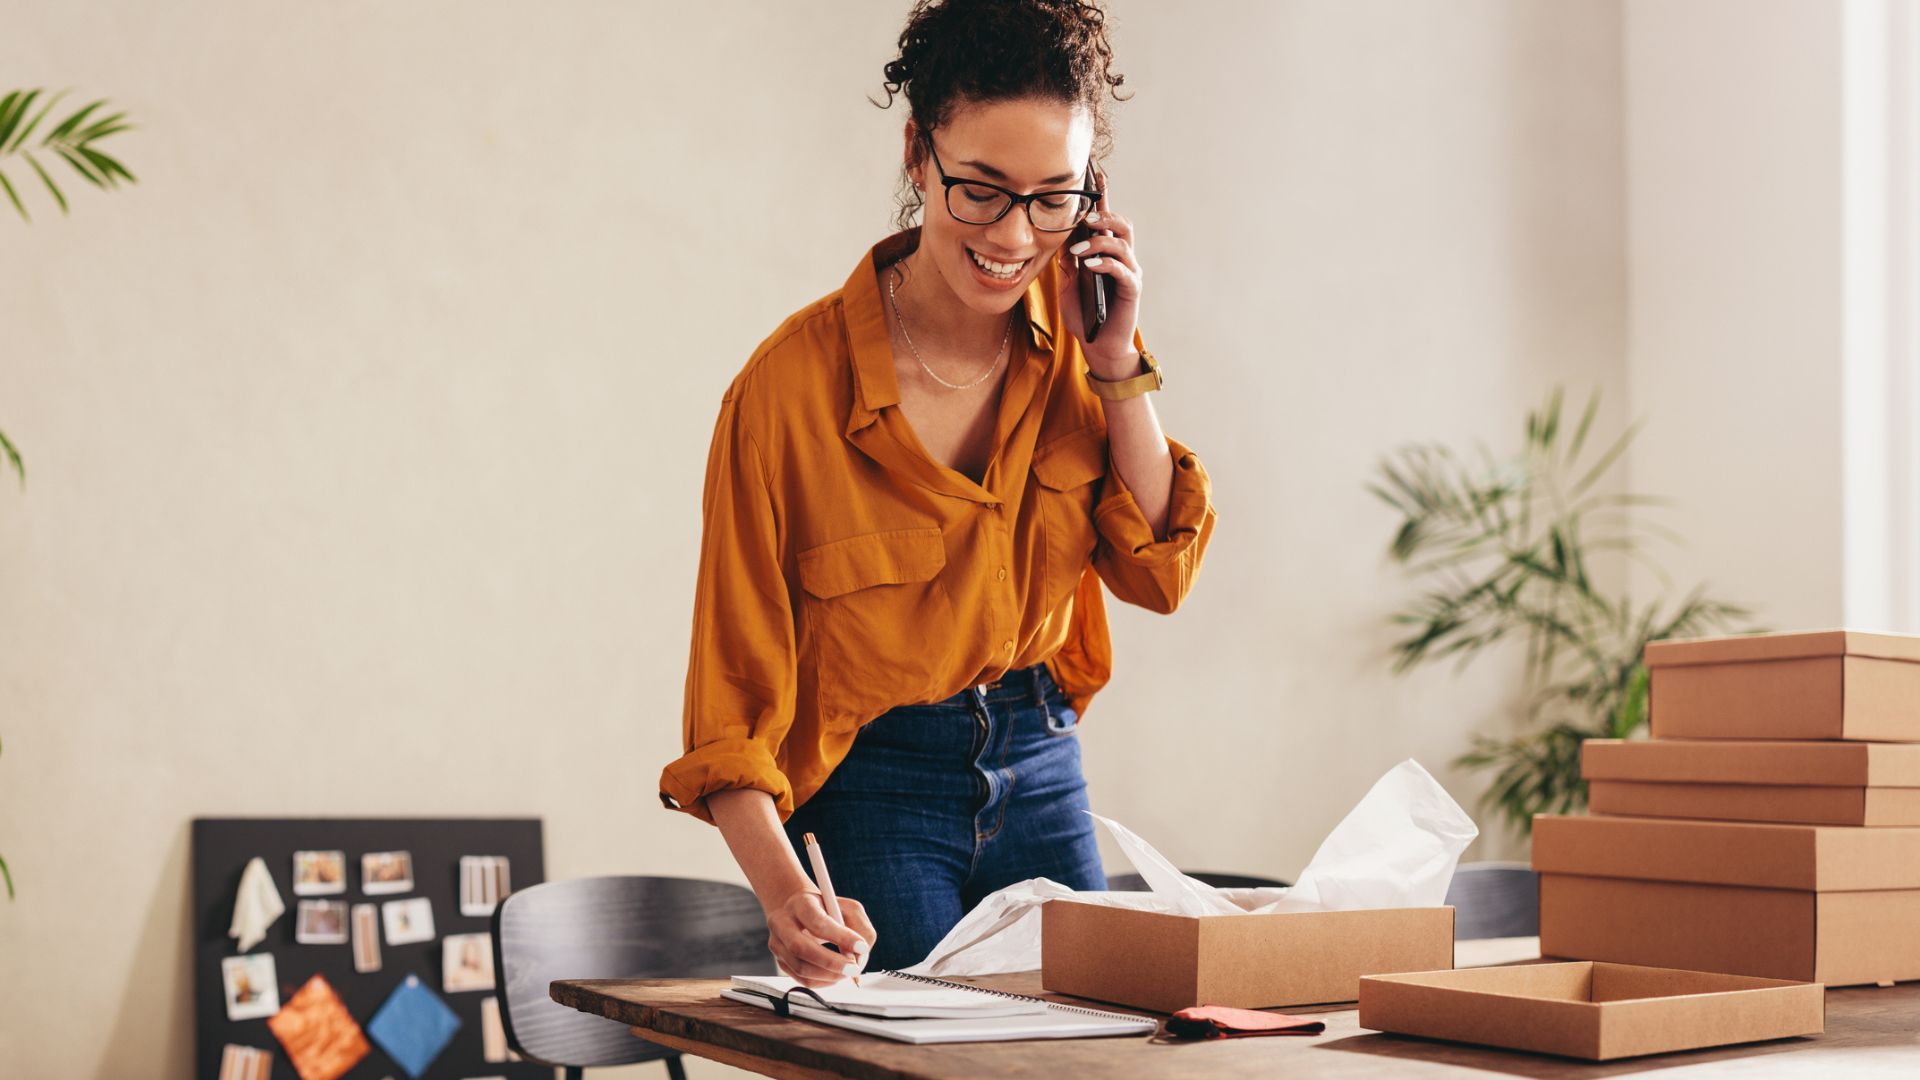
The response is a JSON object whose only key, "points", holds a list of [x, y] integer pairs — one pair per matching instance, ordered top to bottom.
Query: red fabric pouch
{"points": [[1225, 1022]]}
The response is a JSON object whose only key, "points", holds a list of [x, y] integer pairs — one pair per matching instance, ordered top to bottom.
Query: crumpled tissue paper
{"points": [[1397, 848]]}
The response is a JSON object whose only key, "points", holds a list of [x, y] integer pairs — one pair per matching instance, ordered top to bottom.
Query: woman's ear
{"points": [[914, 157]]}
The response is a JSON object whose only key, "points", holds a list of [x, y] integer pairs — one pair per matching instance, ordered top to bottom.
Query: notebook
{"points": [[885, 994], [986, 1021]]}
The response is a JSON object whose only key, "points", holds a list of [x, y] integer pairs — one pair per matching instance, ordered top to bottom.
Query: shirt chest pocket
{"points": [[1068, 470], [879, 621]]}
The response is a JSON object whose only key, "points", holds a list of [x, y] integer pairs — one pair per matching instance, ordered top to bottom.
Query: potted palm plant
{"points": [[1501, 547]]}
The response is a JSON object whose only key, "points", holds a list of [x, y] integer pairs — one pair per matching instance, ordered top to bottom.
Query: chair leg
{"points": [[675, 1070]]}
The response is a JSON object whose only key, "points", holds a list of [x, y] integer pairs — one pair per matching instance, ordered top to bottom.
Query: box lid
{"points": [[1782, 646], [1723, 761], [1823, 858]]}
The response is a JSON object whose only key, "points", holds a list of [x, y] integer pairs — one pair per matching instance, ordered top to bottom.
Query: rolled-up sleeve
{"points": [[1138, 568], [740, 686]]}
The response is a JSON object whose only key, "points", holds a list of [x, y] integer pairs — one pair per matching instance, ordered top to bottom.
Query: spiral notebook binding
{"points": [[1101, 1013]]}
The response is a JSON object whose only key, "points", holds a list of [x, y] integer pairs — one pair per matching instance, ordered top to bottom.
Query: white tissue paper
{"points": [[1397, 848], [255, 905]]}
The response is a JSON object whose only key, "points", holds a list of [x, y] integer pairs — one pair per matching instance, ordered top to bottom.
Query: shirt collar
{"points": [[875, 386]]}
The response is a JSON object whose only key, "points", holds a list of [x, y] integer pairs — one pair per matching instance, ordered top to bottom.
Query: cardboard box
{"points": [[1825, 684], [1818, 783], [1835, 905], [1153, 960], [1592, 1011]]}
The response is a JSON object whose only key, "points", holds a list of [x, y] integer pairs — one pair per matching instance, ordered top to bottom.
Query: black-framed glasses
{"points": [[977, 202]]}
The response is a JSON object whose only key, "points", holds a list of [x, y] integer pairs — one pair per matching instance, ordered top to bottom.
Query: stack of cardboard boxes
{"points": [[1771, 826]]}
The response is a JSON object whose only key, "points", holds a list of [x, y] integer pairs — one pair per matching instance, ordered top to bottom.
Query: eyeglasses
{"points": [[977, 202]]}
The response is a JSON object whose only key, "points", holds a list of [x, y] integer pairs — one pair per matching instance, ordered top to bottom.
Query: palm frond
{"points": [[73, 140], [1505, 547]]}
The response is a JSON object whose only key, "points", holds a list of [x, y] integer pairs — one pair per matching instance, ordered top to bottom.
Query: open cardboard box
{"points": [[1825, 684], [1819, 783], [1836, 905], [1159, 961], [1592, 1011]]}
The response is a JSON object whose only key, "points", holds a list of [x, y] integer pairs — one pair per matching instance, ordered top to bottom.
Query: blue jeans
{"points": [[937, 806]]}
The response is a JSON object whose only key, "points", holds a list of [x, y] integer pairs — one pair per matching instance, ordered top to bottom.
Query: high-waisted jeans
{"points": [[937, 806]]}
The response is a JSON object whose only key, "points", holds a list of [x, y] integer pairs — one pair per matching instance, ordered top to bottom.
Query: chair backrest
{"points": [[1136, 883], [1493, 900], [614, 928]]}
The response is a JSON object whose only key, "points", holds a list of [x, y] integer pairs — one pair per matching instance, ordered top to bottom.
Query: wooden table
{"points": [[1870, 1032]]}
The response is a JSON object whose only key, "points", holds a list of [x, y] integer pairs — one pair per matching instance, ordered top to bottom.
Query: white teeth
{"points": [[1005, 270]]}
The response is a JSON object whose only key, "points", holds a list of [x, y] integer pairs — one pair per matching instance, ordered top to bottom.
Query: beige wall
{"points": [[1735, 245], [365, 433]]}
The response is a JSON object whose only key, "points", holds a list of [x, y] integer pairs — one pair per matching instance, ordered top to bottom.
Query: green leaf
{"points": [[12, 108], [66, 126], [98, 127], [25, 132], [80, 166], [107, 166], [47, 180], [15, 196], [1586, 422], [1552, 423], [13, 458], [1606, 460], [8, 874]]}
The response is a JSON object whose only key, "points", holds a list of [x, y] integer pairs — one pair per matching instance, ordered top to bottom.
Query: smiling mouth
{"points": [[994, 268]]}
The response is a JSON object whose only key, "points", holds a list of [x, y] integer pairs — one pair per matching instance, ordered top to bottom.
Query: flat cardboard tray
{"points": [[1591, 1011]]}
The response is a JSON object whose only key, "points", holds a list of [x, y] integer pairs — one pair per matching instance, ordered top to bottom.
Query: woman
{"points": [[915, 490]]}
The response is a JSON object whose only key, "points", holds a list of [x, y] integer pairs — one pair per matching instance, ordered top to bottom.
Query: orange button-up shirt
{"points": [[844, 571]]}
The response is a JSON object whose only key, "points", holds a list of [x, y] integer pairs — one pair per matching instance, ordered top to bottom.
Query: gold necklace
{"points": [[991, 368]]}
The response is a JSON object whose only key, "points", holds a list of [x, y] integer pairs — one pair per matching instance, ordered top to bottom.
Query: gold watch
{"points": [[1122, 389]]}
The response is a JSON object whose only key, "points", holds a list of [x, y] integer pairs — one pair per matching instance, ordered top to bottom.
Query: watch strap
{"points": [[1122, 389]]}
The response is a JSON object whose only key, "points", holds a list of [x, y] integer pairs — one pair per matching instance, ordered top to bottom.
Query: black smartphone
{"points": [[1093, 287]]}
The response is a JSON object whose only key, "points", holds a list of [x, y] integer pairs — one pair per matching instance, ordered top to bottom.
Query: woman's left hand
{"points": [[1112, 356]]}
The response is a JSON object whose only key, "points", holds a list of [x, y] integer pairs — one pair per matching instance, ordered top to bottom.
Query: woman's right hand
{"points": [[797, 919], [797, 928]]}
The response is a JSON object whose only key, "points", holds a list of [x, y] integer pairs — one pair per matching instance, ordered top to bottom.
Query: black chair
{"points": [[1136, 883], [1494, 900], [614, 928]]}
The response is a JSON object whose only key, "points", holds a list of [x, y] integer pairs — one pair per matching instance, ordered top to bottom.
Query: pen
{"points": [[827, 897]]}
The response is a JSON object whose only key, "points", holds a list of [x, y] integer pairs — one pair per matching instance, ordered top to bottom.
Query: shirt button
{"points": [[993, 506], [1001, 573], [1007, 645]]}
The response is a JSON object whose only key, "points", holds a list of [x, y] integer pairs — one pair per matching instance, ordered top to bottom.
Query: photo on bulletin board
{"points": [[319, 873], [383, 873], [485, 880], [408, 921], [321, 922], [366, 938], [466, 963], [252, 986], [493, 1034], [245, 1063]]}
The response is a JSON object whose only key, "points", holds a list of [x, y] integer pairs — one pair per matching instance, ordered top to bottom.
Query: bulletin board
{"points": [[222, 847]]}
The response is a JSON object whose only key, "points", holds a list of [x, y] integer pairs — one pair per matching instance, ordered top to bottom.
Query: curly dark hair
{"points": [[958, 52]]}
